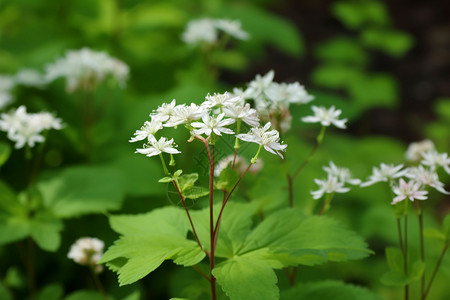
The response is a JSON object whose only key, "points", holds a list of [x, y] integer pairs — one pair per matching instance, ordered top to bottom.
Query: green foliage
{"points": [[356, 13], [392, 42], [342, 50], [5, 151], [227, 179], [396, 275], [328, 290], [51, 292], [82, 295]]}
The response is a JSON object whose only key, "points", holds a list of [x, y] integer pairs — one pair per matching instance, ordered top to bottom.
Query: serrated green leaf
{"points": [[5, 151], [227, 179], [186, 184], [83, 190], [314, 236], [148, 240], [236, 275], [335, 290]]}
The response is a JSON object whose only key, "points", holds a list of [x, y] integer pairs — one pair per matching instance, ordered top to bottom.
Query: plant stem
{"points": [[291, 190], [187, 212], [211, 220], [400, 238], [422, 249], [405, 256], [438, 264], [201, 272], [97, 282]]}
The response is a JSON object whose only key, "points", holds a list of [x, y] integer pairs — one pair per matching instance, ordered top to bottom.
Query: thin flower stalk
{"points": [[436, 268]]}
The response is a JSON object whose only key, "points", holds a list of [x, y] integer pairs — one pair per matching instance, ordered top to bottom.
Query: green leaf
{"points": [[355, 14], [392, 42], [342, 50], [336, 75], [378, 90], [5, 151], [165, 179], [186, 184], [83, 190], [13, 217], [446, 226], [45, 230], [434, 233], [315, 239], [147, 240], [394, 258], [396, 277], [246, 278], [335, 290], [4, 292], [51, 292], [83, 295]]}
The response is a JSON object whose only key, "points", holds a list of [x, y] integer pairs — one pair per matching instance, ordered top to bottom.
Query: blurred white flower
{"points": [[232, 28], [199, 31], [85, 69], [30, 77], [6, 85], [258, 85], [282, 94], [326, 117], [212, 124], [26, 128], [148, 129], [268, 139], [156, 147], [415, 150], [434, 159], [385, 173], [343, 174], [426, 177], [329, 186], [410, 190], [87, 251]]}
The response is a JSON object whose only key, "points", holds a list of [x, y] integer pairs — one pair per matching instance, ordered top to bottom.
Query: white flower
{"points": [[232, 28], [200, 30], [85, 69], [30, 77], [6, 85], [258, 85], [282, 94], [5, 99], [221, 100], [164, 112], [242, 112], [183, 114], [326, 117], [213, 124], [26, 128], [148, 129], [268, 139], [157, 147], [415, 150], [433, 159], [240, 164], [385, 173], [343, 174], [426, 177], [329, 186], [410, 190], [87, 251]]}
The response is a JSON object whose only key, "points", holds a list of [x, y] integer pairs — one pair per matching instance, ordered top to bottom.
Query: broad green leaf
{"points": [[392, 42], [5, 151], [83, 190], [45, 230], [147, 240], [306, 240], [246, 278], [335, 290], [51, 292]]}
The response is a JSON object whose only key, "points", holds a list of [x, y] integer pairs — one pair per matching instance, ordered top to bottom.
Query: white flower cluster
{"points": [[206, 30], [85, 69], [6, 85], [272, 99], [218, 114], [26, 128], [419, 177], [335, 181], [87, 251]]}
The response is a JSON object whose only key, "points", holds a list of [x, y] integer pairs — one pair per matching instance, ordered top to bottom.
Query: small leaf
{"points": [[392, 42], [342, 50], [336, 75], [379, 90], [5, 151], [165, 179], [227, 179], [186, 184], [434, 233], [394, 258], [394, 278], [51, 292]]}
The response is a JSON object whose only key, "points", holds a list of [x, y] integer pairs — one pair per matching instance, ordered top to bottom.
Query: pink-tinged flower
{"points": [[326, 117], [213, 124], [268, 139], [329, 186], [410, 190], [87, 251]]}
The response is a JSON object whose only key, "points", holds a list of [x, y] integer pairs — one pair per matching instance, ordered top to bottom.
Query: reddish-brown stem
{"points": [[188, 214], [211, 219], [201, 272]]}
